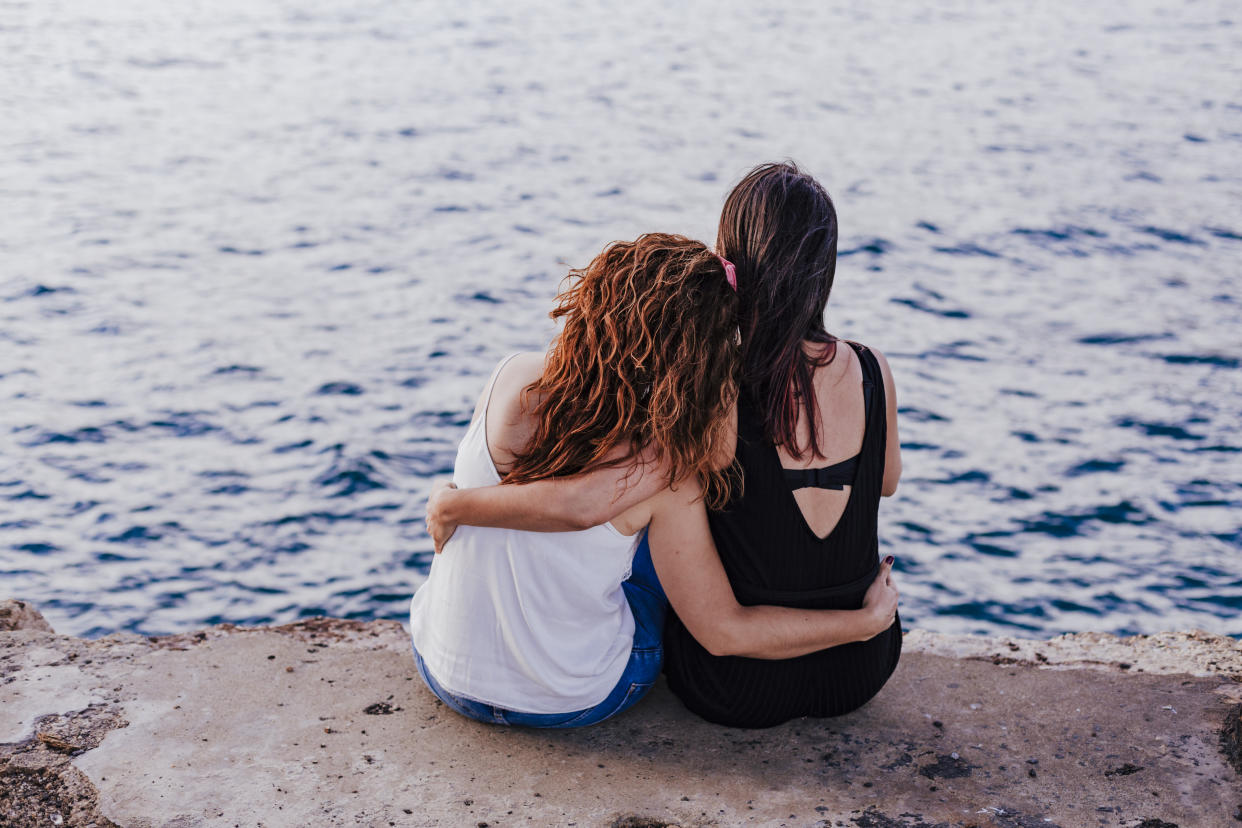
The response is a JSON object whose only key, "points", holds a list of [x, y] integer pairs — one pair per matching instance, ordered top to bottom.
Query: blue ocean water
{"points": [[257, 259]]}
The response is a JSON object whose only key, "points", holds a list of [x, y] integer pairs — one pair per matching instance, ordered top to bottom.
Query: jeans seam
{"points": [[637, 688], [582, 715]]}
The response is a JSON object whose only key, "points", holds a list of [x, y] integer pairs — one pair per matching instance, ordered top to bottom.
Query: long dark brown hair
{"points": [[779, 228], [646, 358]]}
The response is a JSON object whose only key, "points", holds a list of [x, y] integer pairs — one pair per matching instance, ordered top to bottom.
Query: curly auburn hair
{"points": [[645, 360]]}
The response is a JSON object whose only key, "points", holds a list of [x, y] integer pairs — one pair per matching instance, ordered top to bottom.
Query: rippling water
{"points": [[257, 258]]}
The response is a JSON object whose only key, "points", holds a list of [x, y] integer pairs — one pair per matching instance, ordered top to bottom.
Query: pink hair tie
{"points": [[730, 272]]}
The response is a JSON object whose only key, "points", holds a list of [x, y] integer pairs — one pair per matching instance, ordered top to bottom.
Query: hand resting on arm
{"points": [[684, 555], [695, 582]]}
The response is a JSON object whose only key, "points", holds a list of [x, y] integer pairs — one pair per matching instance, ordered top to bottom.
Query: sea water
{"points": [[258, 257]]}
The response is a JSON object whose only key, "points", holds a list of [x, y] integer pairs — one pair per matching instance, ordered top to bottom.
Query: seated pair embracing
{"points": [[691, 476]]}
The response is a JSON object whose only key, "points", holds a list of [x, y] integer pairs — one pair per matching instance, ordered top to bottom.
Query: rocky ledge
{"points": [[325, 722]]}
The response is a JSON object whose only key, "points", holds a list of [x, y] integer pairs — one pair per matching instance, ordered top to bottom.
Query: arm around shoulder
{"points": [[562, 504], [698, 588]]}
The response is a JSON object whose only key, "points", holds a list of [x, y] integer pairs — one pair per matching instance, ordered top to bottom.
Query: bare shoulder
{"points": [[880, 359], [883, 363], [523, 369], [515, 375], [507, 381], [509, 425], [892, 457], [892, 467]]}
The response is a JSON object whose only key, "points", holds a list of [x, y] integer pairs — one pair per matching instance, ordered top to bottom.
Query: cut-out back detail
{"points": [[838, 475]]}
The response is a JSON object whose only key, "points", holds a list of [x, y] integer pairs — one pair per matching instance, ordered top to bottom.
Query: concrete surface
{"points": [[326, 723]]}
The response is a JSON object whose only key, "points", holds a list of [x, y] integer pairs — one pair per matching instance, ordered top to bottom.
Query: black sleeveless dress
{"points": [[772, 557]]}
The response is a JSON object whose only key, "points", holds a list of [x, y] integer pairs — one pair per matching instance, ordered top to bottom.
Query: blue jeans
{"points": [[648, 605]]}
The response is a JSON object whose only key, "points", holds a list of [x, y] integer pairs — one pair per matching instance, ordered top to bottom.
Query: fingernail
{"points": [[889, 560]]}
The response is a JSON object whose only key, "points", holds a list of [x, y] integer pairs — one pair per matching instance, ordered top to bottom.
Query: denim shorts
{"points": [[648, 605]]}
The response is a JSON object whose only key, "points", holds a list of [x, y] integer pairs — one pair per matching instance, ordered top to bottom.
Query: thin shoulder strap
{"points": [[870, 372], [491, 384], [876, 436]]}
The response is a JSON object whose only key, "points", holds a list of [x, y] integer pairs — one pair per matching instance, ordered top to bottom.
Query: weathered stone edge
{"points": [[1193, 652]]}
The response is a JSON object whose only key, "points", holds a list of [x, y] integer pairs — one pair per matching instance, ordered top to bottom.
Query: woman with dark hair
{"points": [[817, 446], [565, 629]]}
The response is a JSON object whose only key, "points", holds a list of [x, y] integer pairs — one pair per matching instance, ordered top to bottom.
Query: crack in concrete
{"points": [[38, 783]]}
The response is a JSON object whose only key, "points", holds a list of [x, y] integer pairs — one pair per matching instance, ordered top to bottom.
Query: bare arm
{"points": [[892, 453], [562, 504], [698, 588]]}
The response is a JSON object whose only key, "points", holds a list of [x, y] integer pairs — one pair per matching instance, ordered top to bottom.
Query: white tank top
{"points": [[530, 621]]}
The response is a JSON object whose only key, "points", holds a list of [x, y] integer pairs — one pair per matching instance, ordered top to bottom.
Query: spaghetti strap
{"points": [[491, 384], [487, 400]]}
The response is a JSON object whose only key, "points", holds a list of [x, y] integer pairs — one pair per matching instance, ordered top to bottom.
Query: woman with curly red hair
{"points": [[565, 629]]}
